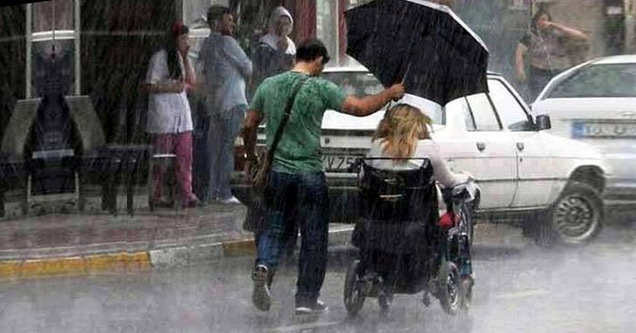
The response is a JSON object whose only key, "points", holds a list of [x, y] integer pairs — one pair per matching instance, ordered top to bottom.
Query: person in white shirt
{"points": [[169, 115], [403, 134]]}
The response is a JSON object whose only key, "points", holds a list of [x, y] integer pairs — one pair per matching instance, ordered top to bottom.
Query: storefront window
{"points": [[48, 13]]}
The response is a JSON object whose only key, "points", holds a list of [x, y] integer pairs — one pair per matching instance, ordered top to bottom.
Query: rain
{"points": [[318, 166]]}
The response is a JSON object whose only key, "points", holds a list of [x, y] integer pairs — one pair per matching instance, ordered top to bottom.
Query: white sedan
{"points": [[596, 103]]}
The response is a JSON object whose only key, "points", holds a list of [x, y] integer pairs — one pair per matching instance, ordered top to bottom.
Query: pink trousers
{"points": [[179, 144]]}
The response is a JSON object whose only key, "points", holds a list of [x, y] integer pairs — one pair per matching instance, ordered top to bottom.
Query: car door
{"points": [[482, 148], [535, 172]]}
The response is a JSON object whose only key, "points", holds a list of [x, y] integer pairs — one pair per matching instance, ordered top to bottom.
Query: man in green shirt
{"points": [[297, 190]]}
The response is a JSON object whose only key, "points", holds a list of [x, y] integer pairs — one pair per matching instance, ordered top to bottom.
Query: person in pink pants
{"points": [[169, 74]]}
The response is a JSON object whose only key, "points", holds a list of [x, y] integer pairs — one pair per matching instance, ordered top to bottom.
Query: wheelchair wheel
{"points": [[449, 288], [353, 291], [466, 292]]}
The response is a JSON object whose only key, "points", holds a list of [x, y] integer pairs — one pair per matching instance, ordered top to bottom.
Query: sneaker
{"points": [[230, 201], [260, 297], [304, 309]]}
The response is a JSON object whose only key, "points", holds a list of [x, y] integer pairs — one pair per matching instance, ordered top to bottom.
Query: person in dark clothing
{"points": [[545, 47]]}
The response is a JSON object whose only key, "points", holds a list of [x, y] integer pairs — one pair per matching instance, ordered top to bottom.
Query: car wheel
{"points": [[575, 218], [449, 288], [353, 291]]}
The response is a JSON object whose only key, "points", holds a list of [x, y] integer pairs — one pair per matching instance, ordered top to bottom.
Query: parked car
{"points": [[596, 103], [525, 174]]}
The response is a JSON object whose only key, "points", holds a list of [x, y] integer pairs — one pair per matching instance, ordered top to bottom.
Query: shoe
{"points": [[230, 201], [163, 203], [191, 203], [261, 297], [304, 309]]}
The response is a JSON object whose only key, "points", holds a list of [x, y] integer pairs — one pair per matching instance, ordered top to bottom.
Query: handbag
{"points": [[255, 217]]}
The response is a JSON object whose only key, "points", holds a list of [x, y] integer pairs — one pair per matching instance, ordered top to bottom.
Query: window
{"points": [[47, 13], [609, 80], [482, 113], [511, 113]]}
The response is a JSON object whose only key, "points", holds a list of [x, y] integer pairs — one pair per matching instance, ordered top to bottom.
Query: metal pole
{"points": [[77, 27], [29, 47]]}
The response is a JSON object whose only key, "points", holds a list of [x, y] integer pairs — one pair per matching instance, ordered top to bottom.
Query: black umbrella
{"points": [[424, 43]]}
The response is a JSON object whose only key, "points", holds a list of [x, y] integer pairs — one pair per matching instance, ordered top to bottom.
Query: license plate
{"points": [[603, 130], [337, 162]]}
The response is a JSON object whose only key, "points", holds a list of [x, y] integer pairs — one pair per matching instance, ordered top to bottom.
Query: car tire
{"points": [[575, 218]]}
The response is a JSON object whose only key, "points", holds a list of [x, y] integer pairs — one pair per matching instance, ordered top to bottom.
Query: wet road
{"points": [[520, 288]]}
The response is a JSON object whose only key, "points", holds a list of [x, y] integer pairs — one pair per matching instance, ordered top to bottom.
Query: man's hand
{"points": [[397, 91]]}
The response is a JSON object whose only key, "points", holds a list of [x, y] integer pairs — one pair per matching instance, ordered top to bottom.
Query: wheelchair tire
{"points": [[466, 215], [449, 292], [466, 292], [353, 294]]}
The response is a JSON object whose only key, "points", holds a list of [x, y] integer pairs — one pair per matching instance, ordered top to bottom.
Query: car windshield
{"points": [[609, 80], [361, 83]]}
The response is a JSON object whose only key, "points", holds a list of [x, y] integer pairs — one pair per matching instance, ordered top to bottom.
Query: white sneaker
{"points": [[230, 201], [260, 295]]}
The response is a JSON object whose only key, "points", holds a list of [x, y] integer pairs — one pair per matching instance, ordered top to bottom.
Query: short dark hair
{"points": [[216, 12], [310, 49]]}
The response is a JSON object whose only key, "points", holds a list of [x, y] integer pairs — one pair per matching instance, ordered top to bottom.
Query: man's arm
{"points": [[235, 54], [364, 106], [250, 130]]}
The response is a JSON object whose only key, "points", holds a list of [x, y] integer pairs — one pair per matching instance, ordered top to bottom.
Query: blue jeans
{"points": [[223, 130], [302, 199]]}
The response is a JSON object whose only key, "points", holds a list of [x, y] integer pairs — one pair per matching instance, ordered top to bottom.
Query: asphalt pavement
{"points": [[519, 288]]}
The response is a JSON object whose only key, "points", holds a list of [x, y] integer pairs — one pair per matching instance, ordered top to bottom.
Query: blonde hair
{"points": [[399, 131]]}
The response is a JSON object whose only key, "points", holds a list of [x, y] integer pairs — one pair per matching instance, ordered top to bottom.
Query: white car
{"points": [[596, 103], [520, 169]]}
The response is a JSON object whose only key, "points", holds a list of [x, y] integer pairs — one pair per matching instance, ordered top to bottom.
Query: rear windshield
{"points": [[609, 80], [364, 83]]}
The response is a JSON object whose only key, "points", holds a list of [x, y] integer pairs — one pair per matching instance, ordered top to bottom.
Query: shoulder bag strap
{"points": [[283, 122]]}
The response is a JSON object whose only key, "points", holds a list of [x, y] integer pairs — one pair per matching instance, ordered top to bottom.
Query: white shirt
{"points": [[167, 112], [425, 149]]}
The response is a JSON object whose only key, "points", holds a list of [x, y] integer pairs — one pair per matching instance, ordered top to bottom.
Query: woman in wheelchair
{"points": [[404, 136], [403, 249]]}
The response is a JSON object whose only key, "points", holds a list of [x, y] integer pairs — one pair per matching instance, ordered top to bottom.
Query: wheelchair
{"points": [[405, 247]]}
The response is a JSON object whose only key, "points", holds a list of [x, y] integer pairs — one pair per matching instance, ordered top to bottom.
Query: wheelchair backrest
{"points": [[396, 194]]}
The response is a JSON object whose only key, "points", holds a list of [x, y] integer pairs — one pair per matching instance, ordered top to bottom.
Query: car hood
{"points": [[587, 108]]}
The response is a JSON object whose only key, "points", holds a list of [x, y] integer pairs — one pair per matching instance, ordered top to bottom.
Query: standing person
{"points": [[545, 46], [275, 51], [274, 55], [226, 69], [169, 116], [297, 190]]}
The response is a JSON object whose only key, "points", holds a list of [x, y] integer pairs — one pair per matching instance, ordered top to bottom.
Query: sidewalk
{"points": [[98, 241]]}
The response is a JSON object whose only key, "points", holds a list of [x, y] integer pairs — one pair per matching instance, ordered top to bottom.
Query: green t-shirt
{"points": [[299, 148]]}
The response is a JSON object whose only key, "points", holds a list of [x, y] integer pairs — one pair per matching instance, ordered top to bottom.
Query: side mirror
{"points": [[543, 122]]}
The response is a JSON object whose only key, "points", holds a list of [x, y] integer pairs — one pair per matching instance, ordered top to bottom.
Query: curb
{"points": [[159, 259], [17, 269]]}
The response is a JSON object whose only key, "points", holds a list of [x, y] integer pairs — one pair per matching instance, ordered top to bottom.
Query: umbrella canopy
{"points": [[423, 43]]}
